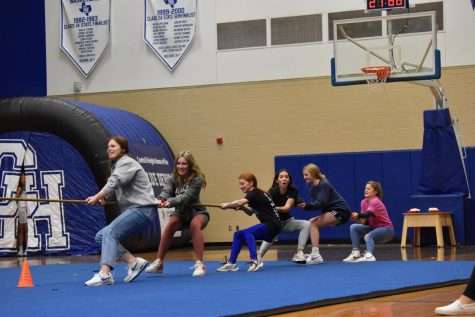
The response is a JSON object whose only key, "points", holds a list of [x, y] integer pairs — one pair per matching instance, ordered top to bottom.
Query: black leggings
{"points": [[470, 289]]}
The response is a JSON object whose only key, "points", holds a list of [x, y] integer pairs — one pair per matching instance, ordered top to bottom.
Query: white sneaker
{"points": [[20, 252], [299, 257], [353, 257], [367, 257], [314, 259], [256, 265], [155, 267], [228, 267], [135, 269], [200, 269], [100, 279], [456, 309]]}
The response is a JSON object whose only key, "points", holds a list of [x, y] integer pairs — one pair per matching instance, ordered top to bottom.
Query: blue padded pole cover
{"points": [[442, 171]]}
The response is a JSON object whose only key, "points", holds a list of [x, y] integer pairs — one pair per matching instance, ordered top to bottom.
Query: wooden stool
{"points": [[428, 219]]}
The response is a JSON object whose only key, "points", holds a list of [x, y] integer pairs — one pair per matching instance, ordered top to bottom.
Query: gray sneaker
{"points": [[256, 265], [228, 267], [135, 269], [100, 279]]}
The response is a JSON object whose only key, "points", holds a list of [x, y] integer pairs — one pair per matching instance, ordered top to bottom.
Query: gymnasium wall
{"points": [[261, 120]]}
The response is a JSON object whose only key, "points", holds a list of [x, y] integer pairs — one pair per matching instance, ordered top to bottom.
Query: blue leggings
{"points": [[249, 235]]}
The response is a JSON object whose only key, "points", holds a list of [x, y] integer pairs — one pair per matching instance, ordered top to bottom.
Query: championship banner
{"points": [[169, 28], [85, 30]]}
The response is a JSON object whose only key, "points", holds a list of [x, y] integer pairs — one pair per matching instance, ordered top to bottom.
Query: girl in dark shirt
{"points": [[284, 194], [263, 206], [335, 210]]}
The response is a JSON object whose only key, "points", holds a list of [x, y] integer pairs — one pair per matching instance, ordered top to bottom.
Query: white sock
{"points": [[315, 250]]}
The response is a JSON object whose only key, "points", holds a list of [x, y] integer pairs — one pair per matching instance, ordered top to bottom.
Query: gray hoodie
{"points": [[130, 184]]}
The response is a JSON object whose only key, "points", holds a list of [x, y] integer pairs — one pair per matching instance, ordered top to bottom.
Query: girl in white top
{"points": [[22, 209]]}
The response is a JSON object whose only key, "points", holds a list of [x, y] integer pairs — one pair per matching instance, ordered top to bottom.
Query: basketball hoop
{"points": [[376, 78]]}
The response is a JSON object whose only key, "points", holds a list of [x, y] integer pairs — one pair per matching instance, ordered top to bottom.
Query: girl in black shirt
{"points": [[284, 194], [263, 206]]}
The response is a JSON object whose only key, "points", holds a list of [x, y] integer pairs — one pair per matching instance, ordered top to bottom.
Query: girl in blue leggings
{"points": [[261, 205]]}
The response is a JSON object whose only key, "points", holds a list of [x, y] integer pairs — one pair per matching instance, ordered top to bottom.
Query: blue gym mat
{"points": [[281, 286]]}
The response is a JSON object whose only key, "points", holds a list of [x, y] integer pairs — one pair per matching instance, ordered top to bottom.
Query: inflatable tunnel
{"points": [[61, 145]]}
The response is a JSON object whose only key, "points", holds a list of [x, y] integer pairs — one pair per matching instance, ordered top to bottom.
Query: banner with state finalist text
{"points": [[169, 28], [85, 31]]}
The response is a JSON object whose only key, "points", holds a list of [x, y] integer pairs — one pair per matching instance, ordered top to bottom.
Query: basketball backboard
{"points": [[405, 42]]}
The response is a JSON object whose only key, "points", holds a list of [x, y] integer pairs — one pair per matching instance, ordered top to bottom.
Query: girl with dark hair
{"points": [[130, 185], [182, 190], [284, 194], [262, 205], [375, 227]]}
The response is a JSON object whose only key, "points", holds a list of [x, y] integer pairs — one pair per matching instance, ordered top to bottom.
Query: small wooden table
{"points": [[428, 219]]}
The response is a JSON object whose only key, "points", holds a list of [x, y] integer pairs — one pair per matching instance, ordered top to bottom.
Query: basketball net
{"points": [[376, 78]]}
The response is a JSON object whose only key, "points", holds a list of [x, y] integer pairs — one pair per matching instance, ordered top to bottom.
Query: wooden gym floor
{"points": [[411, 304]]}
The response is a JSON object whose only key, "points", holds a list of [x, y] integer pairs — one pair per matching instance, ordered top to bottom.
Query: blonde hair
{"points": [[194, 169], [314, 170]]}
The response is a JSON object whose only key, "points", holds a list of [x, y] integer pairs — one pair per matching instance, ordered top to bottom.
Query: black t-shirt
{"points": [[280, 200], [264, 207]]}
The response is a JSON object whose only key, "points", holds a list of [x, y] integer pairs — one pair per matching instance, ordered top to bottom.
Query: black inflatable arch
{"points": [[73, 124], [87, 128]]}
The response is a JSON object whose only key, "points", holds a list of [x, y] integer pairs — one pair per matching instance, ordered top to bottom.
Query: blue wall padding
{"points": [[23, 53], [416, 157], [367, 165], [470, 165], [441, 167], [398, 172], [397, 183], [469, 213]]}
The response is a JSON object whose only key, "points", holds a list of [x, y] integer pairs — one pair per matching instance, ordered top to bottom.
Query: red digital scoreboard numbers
{"points": [[386, 4]]}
